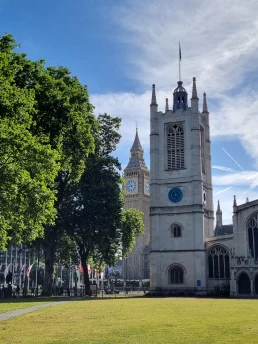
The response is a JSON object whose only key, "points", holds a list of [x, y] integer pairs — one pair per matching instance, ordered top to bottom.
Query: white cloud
{"points": [[218, 39], [220, 47], [239, 178]]}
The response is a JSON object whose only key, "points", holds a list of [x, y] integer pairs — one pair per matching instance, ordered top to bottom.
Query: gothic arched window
{"points": [[175, 147], [252, 230], [176, 231], [218, 259], [176, 275]]}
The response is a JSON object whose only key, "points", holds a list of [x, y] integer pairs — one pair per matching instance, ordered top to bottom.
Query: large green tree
{"points": [[66, 116], [52, 121], [28, 165], [93, 213]]}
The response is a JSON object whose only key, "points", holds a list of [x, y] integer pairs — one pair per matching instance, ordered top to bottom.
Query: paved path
{"points": [[17, 312]]}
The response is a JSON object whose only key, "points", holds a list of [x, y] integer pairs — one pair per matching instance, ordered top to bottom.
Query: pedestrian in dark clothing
{"points": [[18, 290]]}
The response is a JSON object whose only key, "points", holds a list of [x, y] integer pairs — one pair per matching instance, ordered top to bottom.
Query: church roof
{"points": [[137, 143], [224, 230]]}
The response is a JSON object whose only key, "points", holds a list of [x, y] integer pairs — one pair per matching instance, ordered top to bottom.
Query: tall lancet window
{"points": [[175, 146], [252, 228], [218, 259]]}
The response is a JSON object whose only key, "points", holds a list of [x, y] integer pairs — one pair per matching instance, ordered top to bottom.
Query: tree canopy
{"points": [[28, 165], [60, 181], [93, 211]]}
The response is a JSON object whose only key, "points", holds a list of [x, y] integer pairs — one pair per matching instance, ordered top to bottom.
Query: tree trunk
{"points": [[51, 236], [84, 259], [49, 269], [86, 278], [25, 288]]}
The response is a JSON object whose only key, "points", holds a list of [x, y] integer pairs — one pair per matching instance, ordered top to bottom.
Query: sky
{"points": [[120, 48]]}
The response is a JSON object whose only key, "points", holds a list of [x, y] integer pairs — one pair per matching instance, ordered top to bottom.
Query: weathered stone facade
{"points": [[180, 161], [187, 253]]}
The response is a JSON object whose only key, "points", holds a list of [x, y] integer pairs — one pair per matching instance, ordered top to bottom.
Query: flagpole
{"points": [[179, 62], [179, 70], [20, 253], [12, 262], [24, 267], [29, 275]]}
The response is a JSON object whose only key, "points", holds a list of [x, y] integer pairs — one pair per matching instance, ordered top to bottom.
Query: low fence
{"points": [[188, 292]]}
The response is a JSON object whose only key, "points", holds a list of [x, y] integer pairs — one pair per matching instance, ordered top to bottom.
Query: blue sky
{"points": [[119, 48]]}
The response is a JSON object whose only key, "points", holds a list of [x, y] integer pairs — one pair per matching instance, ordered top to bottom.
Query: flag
{"points": [[180, 56], [7, 269], [28, 270]]}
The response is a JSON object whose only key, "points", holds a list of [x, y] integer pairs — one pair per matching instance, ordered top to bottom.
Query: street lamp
{"points": [[37, 271]]}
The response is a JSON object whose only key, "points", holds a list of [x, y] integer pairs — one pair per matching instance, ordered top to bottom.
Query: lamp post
{"points": [[20, 265], [37, 271]]}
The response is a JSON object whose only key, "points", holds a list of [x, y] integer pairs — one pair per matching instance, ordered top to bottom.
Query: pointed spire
{"points": [[194, 92], [153, 97], [167, 107], [205, 107], [137, 143], [136, 157], [247, 199], [234, 203], [218, 209], [219, 217]]}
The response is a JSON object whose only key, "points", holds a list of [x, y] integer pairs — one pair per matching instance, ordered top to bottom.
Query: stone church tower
{"points": [[137, 195], [181, 210]]}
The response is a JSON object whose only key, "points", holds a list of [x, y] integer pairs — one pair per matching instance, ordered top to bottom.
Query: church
{"points": [[191, 251]]}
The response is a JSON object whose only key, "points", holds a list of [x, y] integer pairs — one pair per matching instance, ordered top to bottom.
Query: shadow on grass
{"points": [[34, 299], [48, 299]]}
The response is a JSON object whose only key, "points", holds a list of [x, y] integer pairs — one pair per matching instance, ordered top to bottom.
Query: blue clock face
{"points": [[131, 186], [147, 187], [175, 195]]}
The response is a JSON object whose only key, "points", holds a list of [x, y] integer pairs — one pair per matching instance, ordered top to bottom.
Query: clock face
{"points": [[130, 186], [147, 187], [175, 195]]}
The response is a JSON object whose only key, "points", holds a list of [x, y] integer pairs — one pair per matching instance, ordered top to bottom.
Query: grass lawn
{"points": [[18, 303], [137, 320]]}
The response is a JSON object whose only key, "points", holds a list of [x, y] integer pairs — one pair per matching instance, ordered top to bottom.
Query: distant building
{"points": [[137, 195]]}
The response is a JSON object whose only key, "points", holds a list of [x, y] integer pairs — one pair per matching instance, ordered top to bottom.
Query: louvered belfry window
{"points": [[175, 146]]}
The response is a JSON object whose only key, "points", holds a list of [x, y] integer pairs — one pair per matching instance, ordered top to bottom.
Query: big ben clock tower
{"points": [[137, 195]]}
